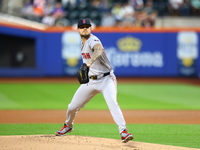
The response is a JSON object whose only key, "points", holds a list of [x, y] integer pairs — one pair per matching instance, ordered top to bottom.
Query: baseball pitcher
{"points": [[95, 76]]}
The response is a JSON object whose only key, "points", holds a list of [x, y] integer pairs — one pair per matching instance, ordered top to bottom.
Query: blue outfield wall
{"points": [[147, 54]]}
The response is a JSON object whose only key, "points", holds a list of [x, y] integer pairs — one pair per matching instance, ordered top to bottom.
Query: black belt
{"points": [[96, 77]]}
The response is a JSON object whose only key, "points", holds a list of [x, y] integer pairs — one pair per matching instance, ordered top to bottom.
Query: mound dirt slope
{"points": [[71, 142]]}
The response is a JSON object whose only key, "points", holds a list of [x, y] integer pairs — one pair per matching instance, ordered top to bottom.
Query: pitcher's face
{"points": [[84, 30]]}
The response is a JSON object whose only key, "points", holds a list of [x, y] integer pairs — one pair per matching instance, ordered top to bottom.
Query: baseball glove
{"points": [[82, 74]]}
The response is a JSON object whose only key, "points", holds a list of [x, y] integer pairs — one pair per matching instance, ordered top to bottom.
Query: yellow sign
{"points": [[129, 44], [187, 62]]}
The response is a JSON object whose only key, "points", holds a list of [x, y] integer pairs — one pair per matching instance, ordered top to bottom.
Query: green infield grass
{"points": [[130, 96]]}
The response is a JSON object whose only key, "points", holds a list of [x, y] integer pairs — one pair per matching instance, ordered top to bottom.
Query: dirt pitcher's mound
{"points": [[71, 142]]}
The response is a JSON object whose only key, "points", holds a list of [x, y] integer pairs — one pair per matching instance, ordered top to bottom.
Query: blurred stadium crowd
{"points": [[121, 13]]}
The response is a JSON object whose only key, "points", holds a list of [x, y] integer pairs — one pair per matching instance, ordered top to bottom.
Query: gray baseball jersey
{"points": [[102, 64]]}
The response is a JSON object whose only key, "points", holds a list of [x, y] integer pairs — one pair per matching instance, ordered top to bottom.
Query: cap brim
{"points": [[85, 24]]}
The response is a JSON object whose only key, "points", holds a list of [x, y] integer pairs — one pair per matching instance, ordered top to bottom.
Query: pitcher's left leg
{"points": [[110, 95]]}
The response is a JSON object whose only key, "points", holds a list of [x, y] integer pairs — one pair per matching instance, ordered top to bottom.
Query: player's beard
{"points": [[85, 36]]}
